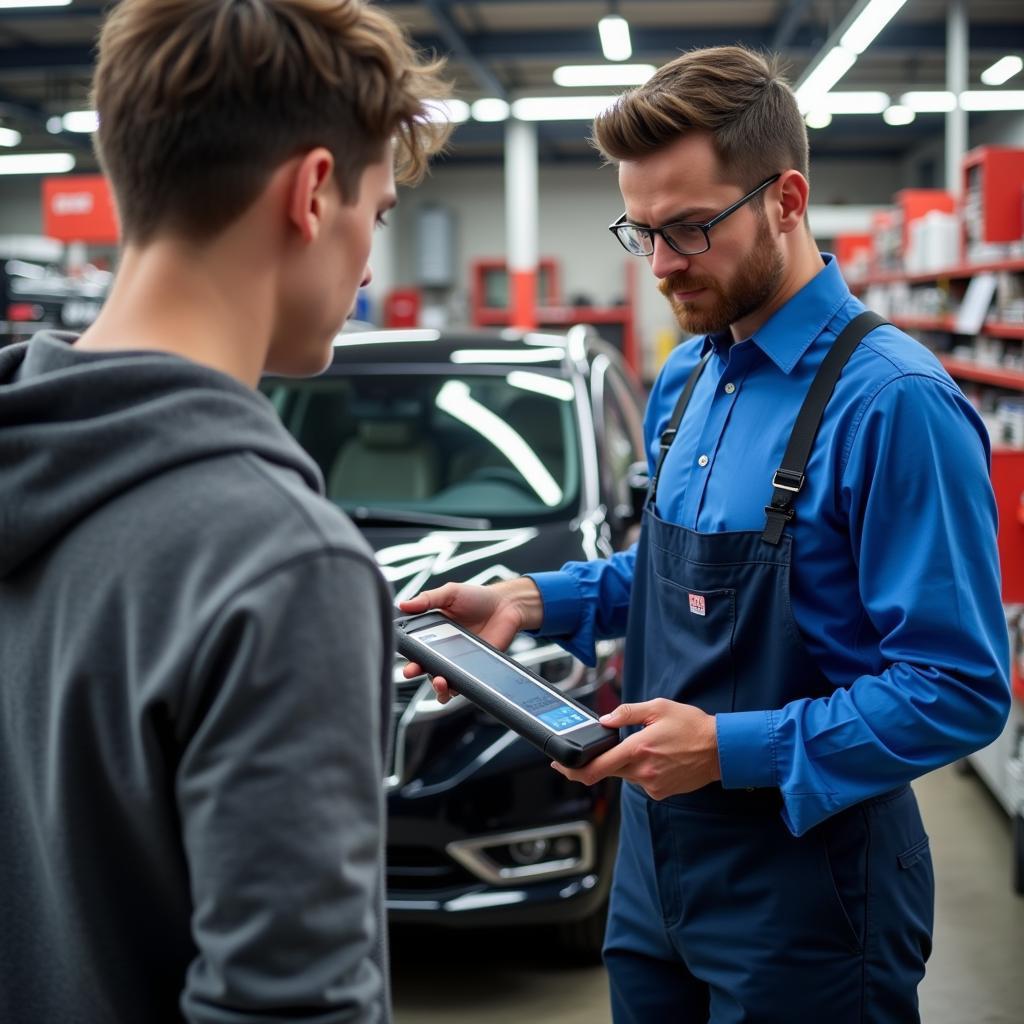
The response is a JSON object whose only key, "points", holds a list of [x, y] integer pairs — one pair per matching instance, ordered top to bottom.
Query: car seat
{"points": [[384, 461]]}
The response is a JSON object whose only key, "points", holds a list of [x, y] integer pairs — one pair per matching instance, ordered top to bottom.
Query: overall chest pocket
{"points": [[693, 633]]}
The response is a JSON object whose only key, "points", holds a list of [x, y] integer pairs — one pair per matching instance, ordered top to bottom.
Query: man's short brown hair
{"points": [[735, 95], [200, 100]]}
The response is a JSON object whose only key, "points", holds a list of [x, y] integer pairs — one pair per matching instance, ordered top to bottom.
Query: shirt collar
{"points": [[789, 331]]}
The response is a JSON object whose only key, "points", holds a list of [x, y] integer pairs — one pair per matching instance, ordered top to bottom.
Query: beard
{"points": [[753, 284]]}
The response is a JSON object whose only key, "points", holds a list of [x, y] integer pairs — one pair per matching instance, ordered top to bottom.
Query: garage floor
{"points": [[975, 976]]}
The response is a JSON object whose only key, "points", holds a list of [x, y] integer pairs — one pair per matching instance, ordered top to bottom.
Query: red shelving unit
{"points": [[964, 369]]}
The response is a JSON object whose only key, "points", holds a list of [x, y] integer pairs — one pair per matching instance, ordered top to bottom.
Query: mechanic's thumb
{"points": [[627, 714]]}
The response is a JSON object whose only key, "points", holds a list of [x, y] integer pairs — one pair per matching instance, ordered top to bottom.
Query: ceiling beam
{"points": [[895, 40], [458, 45]]}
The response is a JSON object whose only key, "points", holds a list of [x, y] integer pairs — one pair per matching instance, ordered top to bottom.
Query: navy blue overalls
{"points": [[718, 912]]}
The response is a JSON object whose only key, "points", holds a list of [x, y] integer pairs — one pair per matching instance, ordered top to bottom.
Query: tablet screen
{"points": [[541, 702]]}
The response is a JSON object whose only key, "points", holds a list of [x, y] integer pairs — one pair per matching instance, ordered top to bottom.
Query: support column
{"points": [[956, 83], [521, 220]]}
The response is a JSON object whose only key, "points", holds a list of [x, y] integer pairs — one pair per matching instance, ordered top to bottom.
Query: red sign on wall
{"points": [[79, 208]]}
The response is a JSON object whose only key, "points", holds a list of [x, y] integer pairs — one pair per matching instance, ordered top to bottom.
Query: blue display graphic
{"points": [[517, 687]]}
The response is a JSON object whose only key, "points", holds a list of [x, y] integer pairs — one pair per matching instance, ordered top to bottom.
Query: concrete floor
{"points": [[975, 976]]}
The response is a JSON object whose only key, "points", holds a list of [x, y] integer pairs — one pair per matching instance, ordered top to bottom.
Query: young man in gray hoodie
{"points": [[195, 652]]}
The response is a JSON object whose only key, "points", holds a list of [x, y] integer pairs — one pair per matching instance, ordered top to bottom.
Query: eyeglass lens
{"points": [[686, 238]]}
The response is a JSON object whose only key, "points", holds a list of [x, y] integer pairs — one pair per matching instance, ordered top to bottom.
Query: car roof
{"points": [[467, 347]]}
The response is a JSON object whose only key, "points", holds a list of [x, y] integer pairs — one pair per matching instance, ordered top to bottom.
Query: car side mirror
{"points": [[638, 481]]}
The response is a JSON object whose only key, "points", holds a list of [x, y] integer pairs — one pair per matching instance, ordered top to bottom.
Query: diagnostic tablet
{"points": [[565, 730]]}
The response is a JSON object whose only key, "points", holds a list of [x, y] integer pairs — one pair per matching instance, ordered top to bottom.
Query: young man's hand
{"points": [[495, 613], [675, 752]]}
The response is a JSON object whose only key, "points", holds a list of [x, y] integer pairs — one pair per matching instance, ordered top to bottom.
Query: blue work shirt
{"points": [[895, 577]]}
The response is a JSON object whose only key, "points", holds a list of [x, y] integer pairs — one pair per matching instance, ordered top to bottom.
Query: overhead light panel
{"points": [[8, 4], [857, 38], [615, 41], [833, 66], [1002, 71], [598, 75], [1006, 99], [853, 102], [935, 102], [561, 108], [490, 109], [447, 111], [898, 115], [818, 119], [83, 121], [9, 137], [36, 163]]}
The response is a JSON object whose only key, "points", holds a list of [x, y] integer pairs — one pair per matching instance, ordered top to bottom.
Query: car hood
{"points": [[417, 559]]}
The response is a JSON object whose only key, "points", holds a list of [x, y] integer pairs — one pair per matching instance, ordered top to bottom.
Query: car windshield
{"points": [[496, 446]]}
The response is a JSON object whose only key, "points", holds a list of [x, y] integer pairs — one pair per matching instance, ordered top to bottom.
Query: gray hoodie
{"points": [[195, 664]]}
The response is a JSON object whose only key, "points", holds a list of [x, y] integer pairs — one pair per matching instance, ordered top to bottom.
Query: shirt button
{"points": [[730, 388], [702, 461]]}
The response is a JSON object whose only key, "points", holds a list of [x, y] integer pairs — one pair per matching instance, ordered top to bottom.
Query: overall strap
{"points": [[669, 433], [789, 477]]}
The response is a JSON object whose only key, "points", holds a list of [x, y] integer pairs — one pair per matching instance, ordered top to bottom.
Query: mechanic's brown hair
{"points": [[737, 96], [199, 101]]}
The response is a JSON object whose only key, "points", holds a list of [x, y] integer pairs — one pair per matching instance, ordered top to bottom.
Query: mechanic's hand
{"points": [[495, 613], [675, 752]]}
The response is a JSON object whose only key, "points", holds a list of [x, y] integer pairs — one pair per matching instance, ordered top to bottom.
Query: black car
{"points": [[477, 457]]}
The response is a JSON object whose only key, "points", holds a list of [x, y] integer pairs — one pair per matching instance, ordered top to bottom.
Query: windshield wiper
{"points": [[400, 517]]}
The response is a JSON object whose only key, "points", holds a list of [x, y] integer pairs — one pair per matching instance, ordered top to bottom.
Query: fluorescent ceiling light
{"points": [[33, 3], [878, 13], [615, 41], [833, 66], [1002, 71], [591, 75], [1007, 99], [853, 102], [935, 102], [561, 108], [490, 109], [447, 111], [897, 115], [818, 118], [84, 121], [9, 137], [36, 163]]}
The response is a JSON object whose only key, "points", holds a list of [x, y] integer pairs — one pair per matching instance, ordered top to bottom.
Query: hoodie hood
{"points": [[78, 428]]}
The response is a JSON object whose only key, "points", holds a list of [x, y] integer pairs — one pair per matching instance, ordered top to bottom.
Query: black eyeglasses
{"points": [[685, 238]]}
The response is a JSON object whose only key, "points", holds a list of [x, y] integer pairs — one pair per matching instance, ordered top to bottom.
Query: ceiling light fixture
{"points": [[870, 19], [859, 36], [615, 41], [833, 66], [1002, 71], [596, 75], [1007, 99], [937, 101], [853, 102], [561, 108], [490, 109], [447, 111], [898, 115], [818, 119], [83, 121], [9, 137], [36, 163]]}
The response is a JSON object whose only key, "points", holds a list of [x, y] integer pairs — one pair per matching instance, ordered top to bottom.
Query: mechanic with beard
{"points": [[812, 612]]}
